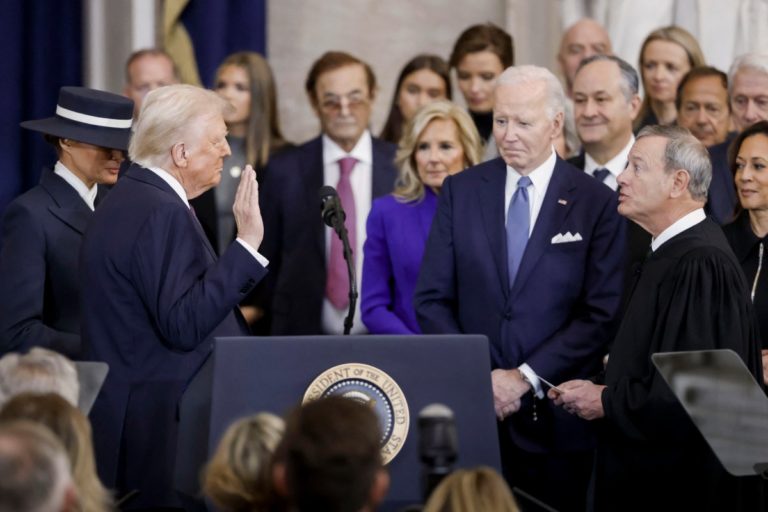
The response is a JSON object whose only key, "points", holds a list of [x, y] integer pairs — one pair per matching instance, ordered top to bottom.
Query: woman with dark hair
{"points": [[480, 55], [666, 56], [425, 78], [748, 233]]}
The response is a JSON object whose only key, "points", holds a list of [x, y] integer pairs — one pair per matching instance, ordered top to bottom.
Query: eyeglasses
{"points": [[333, 103]]}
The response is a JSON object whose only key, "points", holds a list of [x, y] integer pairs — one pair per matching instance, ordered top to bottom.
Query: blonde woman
{"points": [[666, 56], [439, 141], [238, 477], [472, 490]]}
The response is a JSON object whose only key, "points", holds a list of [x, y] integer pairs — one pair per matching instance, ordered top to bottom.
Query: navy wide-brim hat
{"points": [[87, 115]]}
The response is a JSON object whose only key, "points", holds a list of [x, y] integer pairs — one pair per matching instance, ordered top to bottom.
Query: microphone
{"points": [[330, 206], [438, 445]]}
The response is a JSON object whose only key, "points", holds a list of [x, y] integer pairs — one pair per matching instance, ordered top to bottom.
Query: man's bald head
{"points": [[583, 39]]}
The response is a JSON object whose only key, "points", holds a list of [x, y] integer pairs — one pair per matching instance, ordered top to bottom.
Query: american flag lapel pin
{"points": [[562, 202]]}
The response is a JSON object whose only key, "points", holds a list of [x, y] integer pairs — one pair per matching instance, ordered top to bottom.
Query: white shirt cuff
{"points": [[261, 259], [533, 379]]}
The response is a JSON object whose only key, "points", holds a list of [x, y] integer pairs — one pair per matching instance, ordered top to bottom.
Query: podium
{"points": [[248, 375]]}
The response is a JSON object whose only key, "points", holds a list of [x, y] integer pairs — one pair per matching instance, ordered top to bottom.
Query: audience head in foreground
{"points": [[38, 371], [472, 490]]}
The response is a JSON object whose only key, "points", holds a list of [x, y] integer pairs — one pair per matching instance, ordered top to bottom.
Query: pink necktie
{"points": [[337, 286]]}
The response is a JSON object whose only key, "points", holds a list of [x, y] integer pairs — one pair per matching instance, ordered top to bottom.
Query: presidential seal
{"points": [[374, 388]]}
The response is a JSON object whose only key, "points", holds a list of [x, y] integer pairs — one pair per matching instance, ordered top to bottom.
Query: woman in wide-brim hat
{"points": [[42, 229]]}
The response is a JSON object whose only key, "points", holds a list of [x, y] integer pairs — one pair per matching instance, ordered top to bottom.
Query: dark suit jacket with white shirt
{"points": [[294, 233], [39, 289], [154, 297], [559, 315]]}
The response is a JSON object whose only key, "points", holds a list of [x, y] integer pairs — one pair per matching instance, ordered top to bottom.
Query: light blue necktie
{"points": [[518, 224]]}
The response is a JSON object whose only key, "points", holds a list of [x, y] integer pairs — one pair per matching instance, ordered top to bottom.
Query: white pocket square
{"points": [[561, 238]]}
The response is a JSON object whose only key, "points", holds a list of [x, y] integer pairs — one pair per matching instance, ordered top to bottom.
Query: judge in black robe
{"points": [[690, 294]]}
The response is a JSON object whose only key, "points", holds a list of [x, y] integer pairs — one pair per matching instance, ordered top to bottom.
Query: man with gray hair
{"points": [[581, 40], [748, 92], [522, 250], [155, 295], [689, 295], [38, 371], [35, 474]]}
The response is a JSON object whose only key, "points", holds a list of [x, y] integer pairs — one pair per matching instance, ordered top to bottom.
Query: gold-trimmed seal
{"points": [[373, 387]]}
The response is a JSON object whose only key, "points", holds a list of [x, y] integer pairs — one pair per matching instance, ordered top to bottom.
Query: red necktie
{"points": [[337, 285]]}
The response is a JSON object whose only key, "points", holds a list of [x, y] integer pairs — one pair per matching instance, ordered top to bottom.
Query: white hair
{"points": [[756, 61], [518, 75], [166, 114], [38, 371]]}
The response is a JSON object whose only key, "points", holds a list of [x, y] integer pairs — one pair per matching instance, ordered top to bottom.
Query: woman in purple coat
{"points": [[440, 140]]}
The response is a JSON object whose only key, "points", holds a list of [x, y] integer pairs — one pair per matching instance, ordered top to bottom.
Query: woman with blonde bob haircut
{"points": [[439, 141], [73, 430], [238, 477], [472, 490]]}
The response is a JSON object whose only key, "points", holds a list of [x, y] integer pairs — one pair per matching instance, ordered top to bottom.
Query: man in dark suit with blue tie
{"points": [[523, 249], [307, 291], [155, 295]]}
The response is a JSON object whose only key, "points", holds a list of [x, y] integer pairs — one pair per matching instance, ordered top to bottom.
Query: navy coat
{"points": [[39, 289], [154, 297], [559, 315]]}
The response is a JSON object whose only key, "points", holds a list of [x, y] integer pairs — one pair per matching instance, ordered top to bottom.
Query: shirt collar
{"points": [[362, 152], [615, 165], [540, 176], [170, 180], [88, 195], [685, 222]]}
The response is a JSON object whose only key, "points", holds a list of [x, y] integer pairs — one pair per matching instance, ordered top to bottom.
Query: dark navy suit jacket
{"points": [[721, 200], [294, 233], [396, 234], [39, 289], [153, 299], [559, 315]]}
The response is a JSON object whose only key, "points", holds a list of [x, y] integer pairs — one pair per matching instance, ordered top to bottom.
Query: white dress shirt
{"points": [[615, 165], [540, 178], [361, 180], [176, 186], [87, 194], [677, 227]]}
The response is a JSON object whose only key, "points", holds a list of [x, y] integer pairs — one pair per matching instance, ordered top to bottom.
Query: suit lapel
{"points": [[142, 174], [491, 196], [558, 200], [70, 207], [425, 212]]}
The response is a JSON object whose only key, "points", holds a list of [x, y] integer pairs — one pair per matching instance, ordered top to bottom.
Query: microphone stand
{"points": [[341, 231]]}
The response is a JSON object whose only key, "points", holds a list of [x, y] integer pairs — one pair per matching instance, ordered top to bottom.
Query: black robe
{"points": [[690, 295]]}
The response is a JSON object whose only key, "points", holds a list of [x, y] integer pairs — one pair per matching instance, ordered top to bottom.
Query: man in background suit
{"points": [[581, 40], [145, 71], [748, 91], [605, 104], [43, 229], [522, 249], [308, 286], [155, 296]]}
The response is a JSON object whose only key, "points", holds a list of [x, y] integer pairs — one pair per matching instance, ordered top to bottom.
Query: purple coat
{"points": [[396, 236]]}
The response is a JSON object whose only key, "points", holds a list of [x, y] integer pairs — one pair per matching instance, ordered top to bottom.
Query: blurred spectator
{"points": [[583, 39], [480, 55], [666, 56], [145, 71], [425, 78], [748, 82], [703, 106], [38, 371], [71, 427], [330, 458], [34, 473], [239, 476], [472, 490]]}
